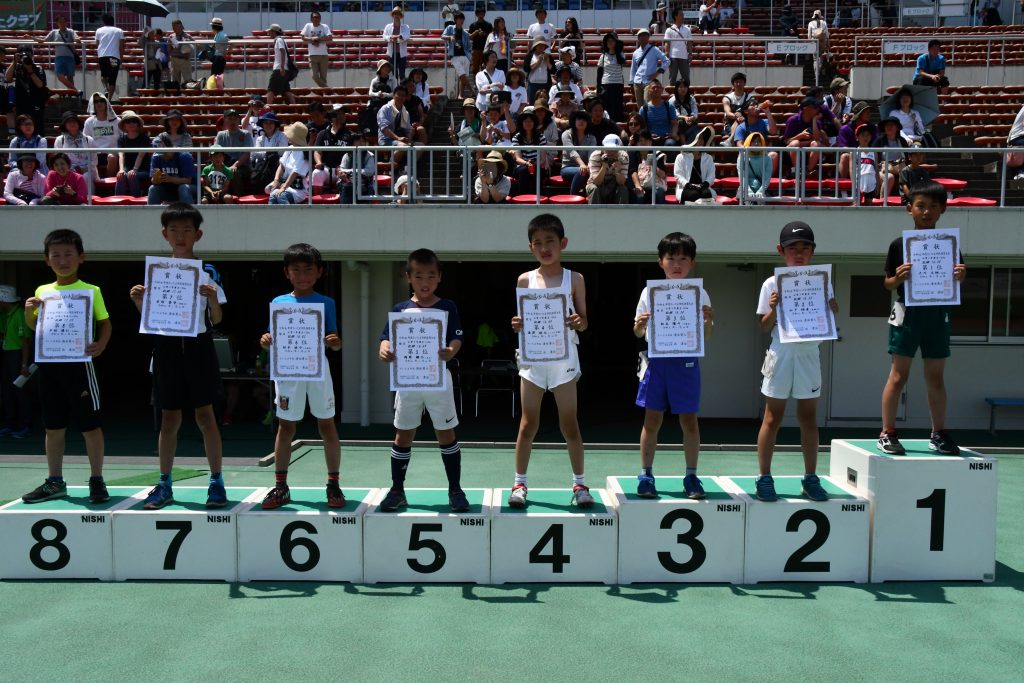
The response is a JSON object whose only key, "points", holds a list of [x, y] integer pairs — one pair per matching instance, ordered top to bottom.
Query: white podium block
{"points": [[933, 516], [67, 538], [674, 539], [796, 539], [304, 540], [182, 541], [552, 541], [426, 542]]}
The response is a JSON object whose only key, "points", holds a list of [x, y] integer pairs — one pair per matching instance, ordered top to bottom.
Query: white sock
{"points": [[520, 479], [579, 480]]}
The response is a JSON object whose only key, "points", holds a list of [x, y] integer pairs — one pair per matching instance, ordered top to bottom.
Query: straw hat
{"points": [[398, 11], [217, 22], [534, 44], [381, 64], [516, 70], [469, 102], [706, 131], [297, 133], [496, 157]]}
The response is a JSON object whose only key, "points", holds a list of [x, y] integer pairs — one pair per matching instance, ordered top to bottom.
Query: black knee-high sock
{"points": [[451, 455], [399, 464]]}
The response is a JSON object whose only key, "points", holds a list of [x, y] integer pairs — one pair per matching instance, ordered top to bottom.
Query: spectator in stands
{"points": [[448, 11], [725, 13], [707, 19], [788, 22], [658, 23], [541, 29], [817, 29], [478, 32], [317, 37], [572, 37], [396, 38], [500, 41], [109, 46], [181, 46], [221, 47], [677, 47], [155, 49], [459, 50], [566, 54], [65, 55], [648, 63], [538, 65], [931, 68], [610, 79], [489, 80], [564, 81], [29, 84], [279, 85], [516, 86], [382, 87], [419, 88], [838, 102], [734, 103], [414, 105], [257, 107], [687, 111], [658, 115], [861, 116], [757, 118], [318, 121], [546, 122], [634, 124], [599, 125], [912, 125], [103, 126], [174, 126], [394, 126], [497, 129], [803, 129], [468, 134], [890, 136], [27, 138], [72, 138], [1015, 138], [576, 158], [327, 162], [529, 162], [238, 163], [359, 163], [264, 164], [134, 165], [755, 168], [609, 170], [172, 174], [650, 174], [912, 174], [217, 177], [869, 177], [695, 178], [291, 181], [25, 185], [492, 185], [64, 186], [403, 194]]}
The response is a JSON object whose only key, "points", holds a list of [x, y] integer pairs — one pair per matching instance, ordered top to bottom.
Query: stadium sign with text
{"points": [[22, 14], [904, 47], [793, 48]]}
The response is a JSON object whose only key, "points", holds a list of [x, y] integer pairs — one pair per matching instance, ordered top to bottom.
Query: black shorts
{"points": [[217, 65], [109, 68], [279, 83], [186, 372], [70, 390]]}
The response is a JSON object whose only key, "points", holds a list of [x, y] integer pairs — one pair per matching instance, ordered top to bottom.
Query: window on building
{"points": [[991, 305]]}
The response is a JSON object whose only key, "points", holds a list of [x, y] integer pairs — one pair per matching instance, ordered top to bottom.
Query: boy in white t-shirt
{"points": [[316, 36], [109, 41]]}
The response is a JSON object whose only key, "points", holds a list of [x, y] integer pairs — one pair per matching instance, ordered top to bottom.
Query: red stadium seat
{"points": [[383, 181], [728, 183], [845, 184], [951, 184], [104, 187], [326, 198], [254, 199], [528, 199], [567, 199], [671, 199], [113, 200], [138, 201], [727, 201], [829, 201], [893, 201], [971, 201]]}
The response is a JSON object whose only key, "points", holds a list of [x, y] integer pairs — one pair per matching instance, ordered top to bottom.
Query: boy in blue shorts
{"points": [[547, 241], [303, 266], [423, 272], [927, 327], [790, 370], [186, 372], [671, 384], [70, 390]]}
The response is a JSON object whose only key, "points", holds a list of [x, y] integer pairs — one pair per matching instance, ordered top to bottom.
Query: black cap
{"points": [[796, 231]]}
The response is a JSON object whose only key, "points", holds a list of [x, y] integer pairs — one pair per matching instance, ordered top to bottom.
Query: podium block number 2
{"points": [[936, 502], [555, 536], [417, 542], [699, 552], [35, 554], [797, 562]]}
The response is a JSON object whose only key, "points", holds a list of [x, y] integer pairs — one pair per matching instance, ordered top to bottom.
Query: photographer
{"points": [[30, 91], [609, 168], [63, 185], [492, 185]]}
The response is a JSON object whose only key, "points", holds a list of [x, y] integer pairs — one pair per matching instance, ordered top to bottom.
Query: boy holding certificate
{"points": [[303, 266], [423, 271], [552, 309], [925, 326], [790, 370], [186, 372], [671, 383], [69, 389]]}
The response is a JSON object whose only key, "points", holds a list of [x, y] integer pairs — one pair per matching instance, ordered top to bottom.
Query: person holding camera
{"points": [[30, 91], [609, 169], [492, 185], [64, 186]]}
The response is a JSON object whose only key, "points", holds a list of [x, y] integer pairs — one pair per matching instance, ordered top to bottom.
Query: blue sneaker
{"points": [[765, 486], [645, 487], [692, 487], [811, 488], [216, 496], [160, 497]]}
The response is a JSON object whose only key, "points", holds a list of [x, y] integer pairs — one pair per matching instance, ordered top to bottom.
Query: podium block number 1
{"points": [[936, 502]]}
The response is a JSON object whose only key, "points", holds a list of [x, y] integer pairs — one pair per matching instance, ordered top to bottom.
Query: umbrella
{"points": [[149, 8], [926, 102]]}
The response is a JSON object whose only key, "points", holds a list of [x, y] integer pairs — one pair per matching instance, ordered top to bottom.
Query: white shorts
{"points": [[461, 65], [791, 374], [548, 377], [291, 397], [409, 407]]}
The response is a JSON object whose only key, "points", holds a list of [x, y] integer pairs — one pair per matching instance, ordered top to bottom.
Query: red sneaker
{"points": [[278, 496]]}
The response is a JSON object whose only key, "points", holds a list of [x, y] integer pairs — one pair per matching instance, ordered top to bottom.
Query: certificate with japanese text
{"points": [[932, 255], [172, 305], [803, 313], [64, 326], [676, 327], [298, 334], [417, 336], [544, 339]]}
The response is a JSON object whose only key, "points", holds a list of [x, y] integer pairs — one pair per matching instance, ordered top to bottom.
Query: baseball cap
{"points": [[796, 231]]}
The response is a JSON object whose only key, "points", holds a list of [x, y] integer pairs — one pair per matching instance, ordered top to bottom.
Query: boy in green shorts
{"points": [[926, 327]]}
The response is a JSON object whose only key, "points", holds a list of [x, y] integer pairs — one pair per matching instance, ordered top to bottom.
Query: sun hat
{"points": [[398, 11], [217, 21], [642, 32], [381, 64], [838, 83], [69, 116], [130, 116], [269, 116], [297, 133], [611, 140], [494, 156]]}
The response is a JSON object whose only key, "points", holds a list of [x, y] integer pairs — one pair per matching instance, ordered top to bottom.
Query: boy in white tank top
{"points": [[547, 240]]}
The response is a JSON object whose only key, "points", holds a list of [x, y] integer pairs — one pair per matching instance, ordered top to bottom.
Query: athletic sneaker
{"points": [[942, 442], [889, 443], [645, 487], [692, 487], [765, 487], [811, 487], [50, 490], [98, 491], [216, 496], [278, 496], [581, 496], [160, 497], [335, 498], [394, 499], [517, 499], [458, 502]]}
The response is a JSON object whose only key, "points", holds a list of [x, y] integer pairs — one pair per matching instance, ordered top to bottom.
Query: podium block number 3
{"points": [[936, 502], [555, 536], [416, 542], [699, 552], [35, 555], [797, 562]]}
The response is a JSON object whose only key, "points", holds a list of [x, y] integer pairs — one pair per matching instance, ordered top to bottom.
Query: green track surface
{"points": [[191, 631]]}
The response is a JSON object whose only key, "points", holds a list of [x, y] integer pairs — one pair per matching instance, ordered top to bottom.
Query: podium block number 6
{"points": [[289, 544]]}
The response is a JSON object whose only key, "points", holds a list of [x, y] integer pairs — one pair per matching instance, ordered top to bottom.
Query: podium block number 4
{"points": [[555, 537], [417, 542], [699, 552], [35, 554]]}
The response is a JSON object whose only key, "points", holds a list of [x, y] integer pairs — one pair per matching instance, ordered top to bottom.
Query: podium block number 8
{"points": [[417, 543], [289, 544], [699, 552], [36, 553], [797, 562]]}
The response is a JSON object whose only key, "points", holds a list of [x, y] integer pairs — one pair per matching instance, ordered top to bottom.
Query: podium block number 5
{"points": [[936, 502], [183, 529], [555, 535], [689, 539], [418, 543], [289, 544], [35, 554], [797, 562]]}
